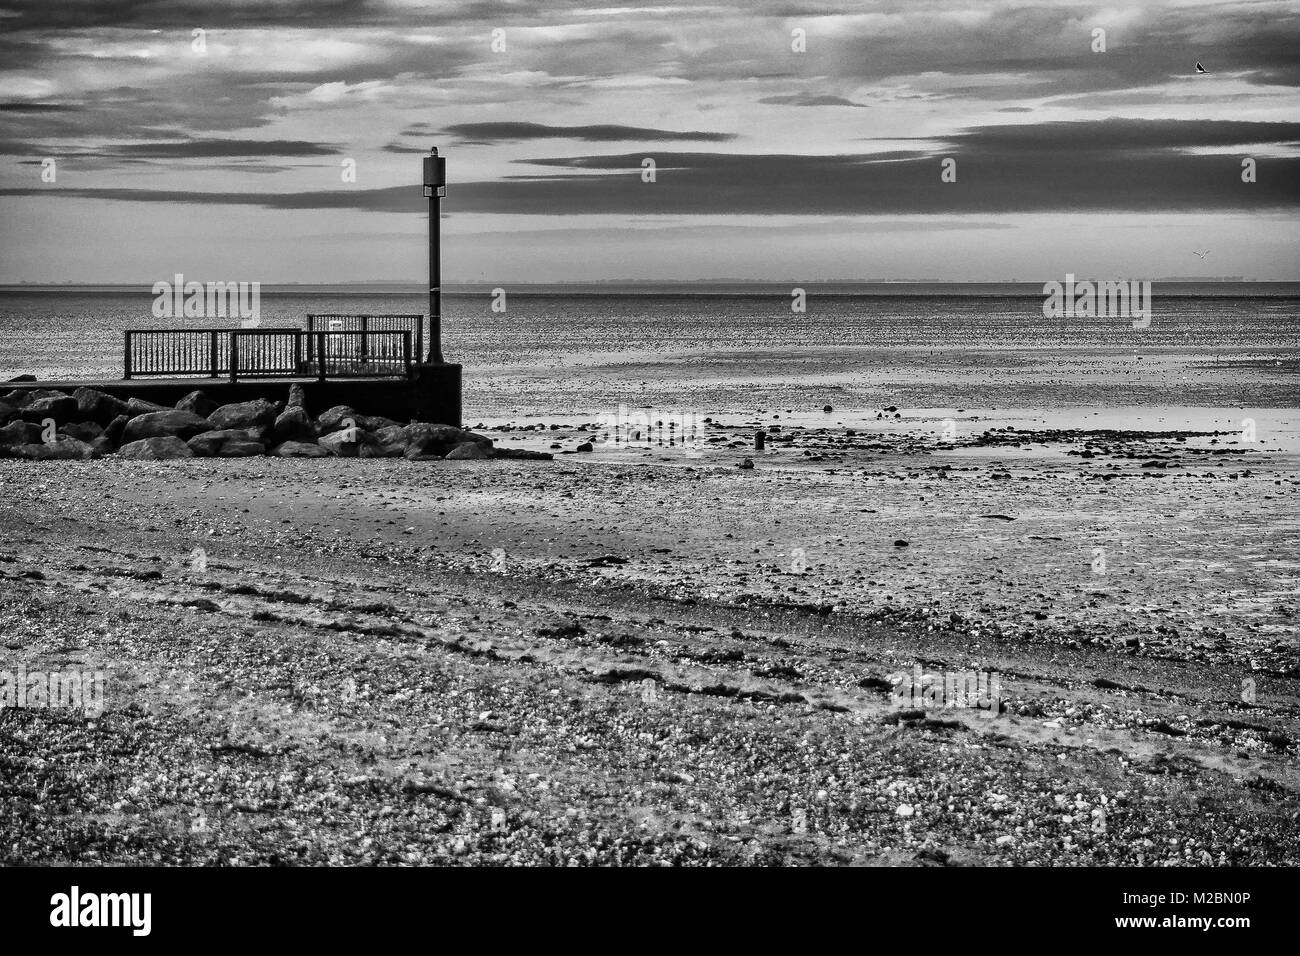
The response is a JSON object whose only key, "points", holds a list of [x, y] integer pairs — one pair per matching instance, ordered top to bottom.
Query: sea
{"points": [[1211, 351]]}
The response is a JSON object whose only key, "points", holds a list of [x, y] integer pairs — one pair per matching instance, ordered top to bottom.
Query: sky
{"points": [[281, 140]]}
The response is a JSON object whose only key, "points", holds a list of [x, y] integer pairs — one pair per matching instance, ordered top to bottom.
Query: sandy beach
{"points": [[388, 661]]}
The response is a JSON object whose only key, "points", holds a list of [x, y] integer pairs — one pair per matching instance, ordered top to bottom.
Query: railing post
{"points": [[365, 327], [297, 352], [406, 352], [320, 355], [126, 357], [234, 357], [214, 364]]}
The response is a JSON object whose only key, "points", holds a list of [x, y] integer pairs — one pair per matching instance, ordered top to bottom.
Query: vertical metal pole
{"points": [[435, 276], [126, 357]]}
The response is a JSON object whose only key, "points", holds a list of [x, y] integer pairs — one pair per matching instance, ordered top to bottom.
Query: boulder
{"points": [[16, 397], [297, 397], [198, 403], [96, 406], [138, 406], [62, 409], [7, 413], [243, 415], [332, 420], [169, 422], [373, 423], [294, 424], [82, 431], [113, 432], [19, 433], [390, 435], [423, 438], [211, 442], [337, 443], [102, 446], [166, 446], [62, 448], [241, 449], [300, 449], [468, 450], [382, 451]]}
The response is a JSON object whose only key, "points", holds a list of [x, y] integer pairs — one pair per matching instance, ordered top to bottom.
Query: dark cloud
{"points": [[808, 99], [36, 108], [607, 133], [1125, 165]]}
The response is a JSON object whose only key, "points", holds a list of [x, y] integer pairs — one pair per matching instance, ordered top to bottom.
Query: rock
{"points": [[16, 397], [297, 397], [198, 403], [96, 406], [138, 406], [827, 408], [62, 409], [7, 412], [243, 415], [332, 420], [167, 423], [373, 423], [294, 424], [115, 429], [83, 431], [19, 433], [264, 434], [391, 435], [423, 438], [211, 442], [346, 445], [102, 446], [166, 446], [585, 446], [62, 448], [241, 449], [300, 449], [468, 450], [382, 451], [522, 454], [747, 463], [900, 543], [905, 810]]}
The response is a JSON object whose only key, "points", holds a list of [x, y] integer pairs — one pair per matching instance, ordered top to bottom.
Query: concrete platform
{"points": [[431, 394]]}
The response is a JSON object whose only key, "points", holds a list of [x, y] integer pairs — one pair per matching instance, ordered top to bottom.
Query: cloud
{"points": [[808, 99], [606, 133], [1088, 165]]}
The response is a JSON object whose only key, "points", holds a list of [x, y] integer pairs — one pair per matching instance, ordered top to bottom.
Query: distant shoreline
{"points": [[1224, 286]]}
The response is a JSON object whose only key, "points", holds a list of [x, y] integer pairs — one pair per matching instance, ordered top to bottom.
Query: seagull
{"points": [[1199, 68], [1201, 255]]}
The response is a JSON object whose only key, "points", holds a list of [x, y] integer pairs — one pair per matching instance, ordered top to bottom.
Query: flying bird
{"points": [[1199, 68], [1201, 255]]}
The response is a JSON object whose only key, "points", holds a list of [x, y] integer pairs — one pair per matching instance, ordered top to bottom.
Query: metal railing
{"points": [[369, 322], [267, 353], [343, 354]]}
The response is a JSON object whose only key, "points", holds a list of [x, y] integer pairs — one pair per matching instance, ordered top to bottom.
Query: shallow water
{"points": [[552, 354]]}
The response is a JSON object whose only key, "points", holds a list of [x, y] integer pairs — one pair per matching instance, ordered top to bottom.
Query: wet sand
{"points": [[402, 662]]}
